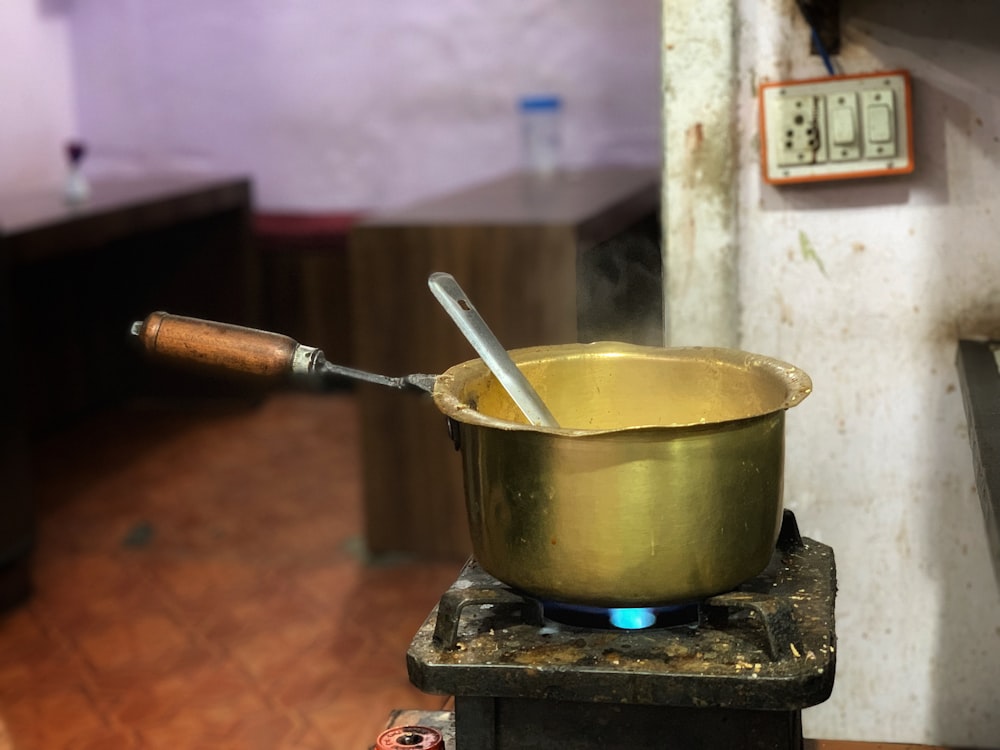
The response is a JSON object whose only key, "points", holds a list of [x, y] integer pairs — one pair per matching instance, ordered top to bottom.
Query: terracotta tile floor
{"points": [[198, 586]]}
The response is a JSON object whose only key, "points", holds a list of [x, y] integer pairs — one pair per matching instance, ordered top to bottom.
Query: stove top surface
{"points": [[767, 645]]}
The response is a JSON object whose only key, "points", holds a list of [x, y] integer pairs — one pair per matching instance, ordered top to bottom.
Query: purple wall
{"points": [[35, 90], [344, 105]]}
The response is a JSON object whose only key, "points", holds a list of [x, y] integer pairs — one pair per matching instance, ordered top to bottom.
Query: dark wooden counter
{"points": [[595, 202], [40, 225], [520, 248], [78, 274], [72, 278]]}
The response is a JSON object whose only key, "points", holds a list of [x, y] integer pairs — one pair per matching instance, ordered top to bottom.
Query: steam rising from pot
{"points": [[620, 287]]}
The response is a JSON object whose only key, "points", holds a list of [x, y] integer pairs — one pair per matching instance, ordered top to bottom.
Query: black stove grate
{"points": [[767, 645], [739, 679]]}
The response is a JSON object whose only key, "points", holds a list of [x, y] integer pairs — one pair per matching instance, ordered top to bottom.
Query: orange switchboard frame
{"points": [[847, 174]]}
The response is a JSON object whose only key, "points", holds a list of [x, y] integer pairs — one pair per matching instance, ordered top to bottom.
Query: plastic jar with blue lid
{"points": [[541, 126]]}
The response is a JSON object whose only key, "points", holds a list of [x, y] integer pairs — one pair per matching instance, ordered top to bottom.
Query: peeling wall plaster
{"points": [[698, 190], [867, 285]]}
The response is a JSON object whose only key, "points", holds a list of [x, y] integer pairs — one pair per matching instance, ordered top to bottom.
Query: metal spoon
{"points": [[456, 303]]}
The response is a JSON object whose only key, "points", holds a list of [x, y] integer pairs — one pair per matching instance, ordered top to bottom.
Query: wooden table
{"points": [[39, 225], [523, 250], [78, 274], [72, 278]]}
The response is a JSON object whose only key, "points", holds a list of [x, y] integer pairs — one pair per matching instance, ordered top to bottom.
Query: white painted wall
{"points": [[36, 95], [346, 105], [879, 464]]}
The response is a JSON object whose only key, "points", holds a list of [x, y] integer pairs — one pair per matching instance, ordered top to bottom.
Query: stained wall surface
{"points": [[868, 285]]}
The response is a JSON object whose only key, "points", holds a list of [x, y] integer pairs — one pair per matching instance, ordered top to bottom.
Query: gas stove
{"points": [[732, 671]]}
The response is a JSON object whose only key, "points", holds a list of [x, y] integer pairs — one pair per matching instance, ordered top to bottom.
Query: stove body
{"points": [[737, 677]]}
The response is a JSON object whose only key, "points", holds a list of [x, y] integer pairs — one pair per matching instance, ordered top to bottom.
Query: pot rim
{"points": [[798, 384]]}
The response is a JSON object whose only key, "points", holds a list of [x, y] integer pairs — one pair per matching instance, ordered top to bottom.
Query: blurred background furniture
{"points": [[571, 258], [79, 274], [73, 277], [304, 278]]}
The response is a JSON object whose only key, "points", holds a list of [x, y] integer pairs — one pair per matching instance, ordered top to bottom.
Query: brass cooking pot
{"points": [[662, 484]]}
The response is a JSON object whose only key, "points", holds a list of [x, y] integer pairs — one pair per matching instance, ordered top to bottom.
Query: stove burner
{"points": [[631, 618], [634, 618]]}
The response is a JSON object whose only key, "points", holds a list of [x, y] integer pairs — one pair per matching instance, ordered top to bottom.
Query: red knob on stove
{"points": [[410, 738]]}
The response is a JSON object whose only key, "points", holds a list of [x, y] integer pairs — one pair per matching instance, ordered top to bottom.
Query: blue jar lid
{"points": [[544, 103]]}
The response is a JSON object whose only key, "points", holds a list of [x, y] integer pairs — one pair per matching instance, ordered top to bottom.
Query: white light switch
{"points": [[879, 124], [842, 127], [845, 138], [880, 140]]}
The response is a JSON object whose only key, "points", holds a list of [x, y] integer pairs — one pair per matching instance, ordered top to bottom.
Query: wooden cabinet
{"points": [[521, 249], [79, 274], [72, 278]]}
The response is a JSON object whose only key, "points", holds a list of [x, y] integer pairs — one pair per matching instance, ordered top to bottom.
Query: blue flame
{"points": [[635, 618]]}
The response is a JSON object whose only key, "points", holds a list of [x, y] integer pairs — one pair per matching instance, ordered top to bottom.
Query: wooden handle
{"points": [[216, 346]]}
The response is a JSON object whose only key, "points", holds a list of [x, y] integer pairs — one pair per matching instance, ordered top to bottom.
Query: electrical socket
{"points": [[800, 135]]}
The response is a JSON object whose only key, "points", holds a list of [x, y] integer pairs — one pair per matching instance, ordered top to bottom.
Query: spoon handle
{"points": [[456, 303]]}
